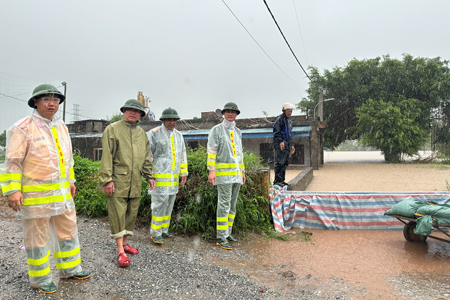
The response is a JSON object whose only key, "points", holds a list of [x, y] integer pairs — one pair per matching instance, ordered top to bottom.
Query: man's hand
{"points": [[282, 146], [292, 150], [212, 177], [243, 177], [183, 180], [151, 184], [109, 188], [73, 189], [15, 200]]}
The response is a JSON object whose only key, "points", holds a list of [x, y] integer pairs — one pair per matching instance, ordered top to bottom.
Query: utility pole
{"points": [[65, 100], [320, 108]]}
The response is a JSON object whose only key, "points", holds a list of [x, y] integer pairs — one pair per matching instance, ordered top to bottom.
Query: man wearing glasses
{"points": [[282, 143], [38, 179]]}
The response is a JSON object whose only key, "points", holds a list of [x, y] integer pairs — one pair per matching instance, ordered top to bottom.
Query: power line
{"points": [[276, 23], [301, 35], [259, 44], [8, 96]]}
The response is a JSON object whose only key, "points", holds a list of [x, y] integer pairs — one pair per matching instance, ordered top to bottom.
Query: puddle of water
{"points": [[366, 258]]}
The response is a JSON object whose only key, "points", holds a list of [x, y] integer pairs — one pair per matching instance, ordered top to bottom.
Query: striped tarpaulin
{"points": [[341, 210]]}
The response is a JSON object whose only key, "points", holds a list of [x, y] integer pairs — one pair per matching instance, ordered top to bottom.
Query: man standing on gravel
{"points": [[282, 143], [125, 159], [170, 162], [226, 170], [38, 179]]}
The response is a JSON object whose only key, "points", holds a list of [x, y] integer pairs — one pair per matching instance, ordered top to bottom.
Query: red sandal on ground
{"points": [[130, 250], [123, 260]]}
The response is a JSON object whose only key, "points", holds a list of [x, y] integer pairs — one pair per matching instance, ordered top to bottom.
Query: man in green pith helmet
{"points": [[125, 159], [169, 164], [226, 170], [38, 179]]}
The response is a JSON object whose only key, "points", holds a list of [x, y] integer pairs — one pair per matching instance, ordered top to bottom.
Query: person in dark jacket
{"points": [[282, 143]]}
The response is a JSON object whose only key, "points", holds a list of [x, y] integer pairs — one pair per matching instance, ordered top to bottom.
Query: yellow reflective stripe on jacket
{"points": [[233, 145], [174, 154], [210, 155], [211, 163], [62, 165], [183, 165], [226, 166], [241, 166], [182, 171], [227, 173], [72, 174], [162, 175], [11, 176], [165, 183], [11, 186], [45, 187], [48, 199], [66, 253], [39, 261], [68, 265], [39, 273]]}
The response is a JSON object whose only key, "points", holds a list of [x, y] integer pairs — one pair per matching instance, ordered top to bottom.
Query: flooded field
{"points": [[369, 264]]}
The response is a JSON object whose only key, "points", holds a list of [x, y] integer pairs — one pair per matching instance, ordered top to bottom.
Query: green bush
{"points": [[87, 200], [195, 206]]}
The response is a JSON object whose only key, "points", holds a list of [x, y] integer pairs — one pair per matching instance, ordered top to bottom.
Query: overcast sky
{"points": [[193, 55]]}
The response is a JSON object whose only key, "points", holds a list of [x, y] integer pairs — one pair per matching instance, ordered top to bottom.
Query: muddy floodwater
{"points": [[372, 264]]}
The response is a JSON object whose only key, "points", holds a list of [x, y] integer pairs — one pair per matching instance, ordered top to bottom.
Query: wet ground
{"points": [[374, 264], [323, 265]]}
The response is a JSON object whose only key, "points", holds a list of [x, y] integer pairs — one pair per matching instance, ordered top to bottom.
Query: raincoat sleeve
{"points": [[277, 135], [212, 149], [71, 161], [241, 162], [106, 164], [184, 164], [147, 166], [11, 169]]}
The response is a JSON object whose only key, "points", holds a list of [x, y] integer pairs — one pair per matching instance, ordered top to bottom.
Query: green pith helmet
{"points": [[44, 89], [133, 103], [231, 106], [169, 113]]}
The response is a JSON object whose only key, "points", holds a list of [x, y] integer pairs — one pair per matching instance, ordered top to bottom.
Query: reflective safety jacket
{"points": [[225, 155], [125, 159], [169, 159], [39, 163]]}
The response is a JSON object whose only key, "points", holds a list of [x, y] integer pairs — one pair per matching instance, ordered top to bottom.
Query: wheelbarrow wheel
{"points": [[410, 236]]}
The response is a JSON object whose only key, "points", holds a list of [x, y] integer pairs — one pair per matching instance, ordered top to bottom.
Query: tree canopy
{"points": [[384, 80], [3, 139]]}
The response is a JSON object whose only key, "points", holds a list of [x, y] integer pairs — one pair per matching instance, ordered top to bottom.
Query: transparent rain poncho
{"points": [[225, 155], [169, 159], [39, 163]]}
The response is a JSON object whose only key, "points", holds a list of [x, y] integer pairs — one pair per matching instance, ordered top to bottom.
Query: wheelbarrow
{"points": [[410, 225]]}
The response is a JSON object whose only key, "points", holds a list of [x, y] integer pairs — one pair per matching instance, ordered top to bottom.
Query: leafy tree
{"points": [[381, 78], [114, 118], [394, 127], [3, 139]]}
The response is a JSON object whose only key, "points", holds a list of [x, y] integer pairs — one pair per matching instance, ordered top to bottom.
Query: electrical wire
{"points": [[276, 23], [299, 29], [259, 44], [8, 96]]}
